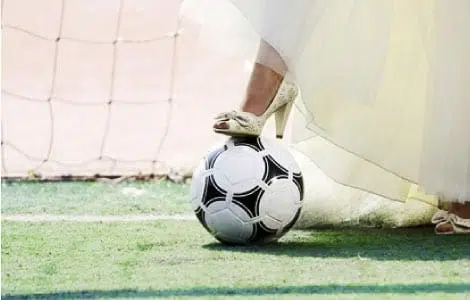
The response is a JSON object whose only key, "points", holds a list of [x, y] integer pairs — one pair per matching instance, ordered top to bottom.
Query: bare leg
{"points": [[264, 82], [262, 88], [461, 209]]}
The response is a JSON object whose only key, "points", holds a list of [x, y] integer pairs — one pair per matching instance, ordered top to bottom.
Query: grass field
{"points": [[95, 198], [178, 259]]}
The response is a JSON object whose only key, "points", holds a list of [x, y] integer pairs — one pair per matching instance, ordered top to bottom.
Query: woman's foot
{"points": [[262, 88], [267, 93], [250, 124], [455, 221]]}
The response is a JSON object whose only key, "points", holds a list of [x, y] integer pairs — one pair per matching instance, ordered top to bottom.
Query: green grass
{"points": [[97, 198], [179, 259]]}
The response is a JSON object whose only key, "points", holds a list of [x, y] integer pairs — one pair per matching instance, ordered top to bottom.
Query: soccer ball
{"points": [[249, 190]]}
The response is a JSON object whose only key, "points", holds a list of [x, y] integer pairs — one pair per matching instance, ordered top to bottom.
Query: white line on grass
{"points": [[93, 218]]}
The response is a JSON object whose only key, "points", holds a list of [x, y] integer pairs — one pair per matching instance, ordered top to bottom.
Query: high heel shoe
{"points": [[237, 123], [449, 223]]}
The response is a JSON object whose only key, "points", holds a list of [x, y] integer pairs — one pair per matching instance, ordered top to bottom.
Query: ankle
{"points": [[261, 90], [257, 101], [461, 209]]}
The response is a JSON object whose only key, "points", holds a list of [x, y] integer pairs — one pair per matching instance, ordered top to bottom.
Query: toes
{"points": [[221, 125], [444, 227]]}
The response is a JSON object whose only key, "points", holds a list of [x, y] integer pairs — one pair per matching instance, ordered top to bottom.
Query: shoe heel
{"points": [[281, 116]]}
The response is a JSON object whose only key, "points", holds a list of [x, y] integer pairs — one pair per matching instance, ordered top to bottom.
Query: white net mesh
{"points": [[93, 87]]}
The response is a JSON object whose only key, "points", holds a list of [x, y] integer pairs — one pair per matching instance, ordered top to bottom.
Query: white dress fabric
{"points": [[385, 85]]}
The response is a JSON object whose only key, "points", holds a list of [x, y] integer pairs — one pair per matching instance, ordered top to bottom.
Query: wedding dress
{"points": [[385, 85]]}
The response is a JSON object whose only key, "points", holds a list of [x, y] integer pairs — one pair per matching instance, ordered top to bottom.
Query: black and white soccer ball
{"points": [[247, 191]]}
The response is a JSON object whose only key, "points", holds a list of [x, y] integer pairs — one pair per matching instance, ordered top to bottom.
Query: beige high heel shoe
{"points": [[248, 124], [449, 223]]}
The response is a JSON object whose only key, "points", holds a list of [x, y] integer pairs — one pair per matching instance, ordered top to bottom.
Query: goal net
{"points": [[93, 87], [101, 88]]}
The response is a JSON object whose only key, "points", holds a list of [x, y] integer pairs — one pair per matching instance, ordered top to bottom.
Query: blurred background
{"points": [[108, 87]]}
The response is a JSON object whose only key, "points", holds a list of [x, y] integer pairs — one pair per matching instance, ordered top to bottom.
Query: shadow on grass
{"points": [[378, 244], [256, 291]]}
